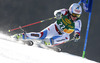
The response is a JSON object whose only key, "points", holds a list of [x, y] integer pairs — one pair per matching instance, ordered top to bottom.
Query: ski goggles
{"points": [[75, 15]]}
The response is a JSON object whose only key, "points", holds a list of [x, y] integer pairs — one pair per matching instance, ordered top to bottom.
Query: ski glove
{"points": [[58, 15], [76, 37]]}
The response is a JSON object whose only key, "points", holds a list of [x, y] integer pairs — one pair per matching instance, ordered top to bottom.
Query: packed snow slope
{"points": [[11, 52]]}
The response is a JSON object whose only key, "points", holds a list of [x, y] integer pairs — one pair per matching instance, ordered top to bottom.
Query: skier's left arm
{"points": [[78, 26]]}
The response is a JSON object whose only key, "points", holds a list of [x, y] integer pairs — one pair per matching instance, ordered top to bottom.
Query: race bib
{"points": [[66, 25]]}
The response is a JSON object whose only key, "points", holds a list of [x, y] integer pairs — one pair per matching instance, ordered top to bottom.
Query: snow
{"points": [[11, 52]]}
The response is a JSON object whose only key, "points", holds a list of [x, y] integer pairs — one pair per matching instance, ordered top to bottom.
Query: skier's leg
{"points": [[52, 30], [48, 32], [31, 35], [36, 35], [59, 39]]}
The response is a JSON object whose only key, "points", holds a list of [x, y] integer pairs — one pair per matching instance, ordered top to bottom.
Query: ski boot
{"points": [[17, 36], [47, 42]]}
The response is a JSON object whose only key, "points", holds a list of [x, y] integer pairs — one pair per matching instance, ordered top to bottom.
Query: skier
{"points": [[68, 21]]}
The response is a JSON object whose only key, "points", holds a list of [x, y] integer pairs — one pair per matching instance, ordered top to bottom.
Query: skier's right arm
{"points": [[58, 13]]}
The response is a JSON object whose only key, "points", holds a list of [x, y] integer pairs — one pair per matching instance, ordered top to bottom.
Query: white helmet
{"points": [[75, 8]]}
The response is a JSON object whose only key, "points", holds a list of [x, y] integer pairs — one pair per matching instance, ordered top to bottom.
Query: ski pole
{"points": [[31, 24], [23, 32]]}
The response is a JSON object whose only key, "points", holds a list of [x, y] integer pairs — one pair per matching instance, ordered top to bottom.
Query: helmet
{"points": [[75, 8]]}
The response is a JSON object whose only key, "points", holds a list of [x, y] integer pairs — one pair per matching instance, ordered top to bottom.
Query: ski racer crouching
{"points": [[68, 21]]}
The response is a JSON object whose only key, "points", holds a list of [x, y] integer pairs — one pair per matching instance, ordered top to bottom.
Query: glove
{"points": [[58, 15], [76, 37]]}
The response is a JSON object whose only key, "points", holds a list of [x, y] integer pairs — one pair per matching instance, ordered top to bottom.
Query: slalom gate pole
{"points": [[79, 2], [89, 7], [31, 24], [85, 44]]}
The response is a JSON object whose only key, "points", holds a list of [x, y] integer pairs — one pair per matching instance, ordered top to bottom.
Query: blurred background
{"points": [[15, 13]]}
